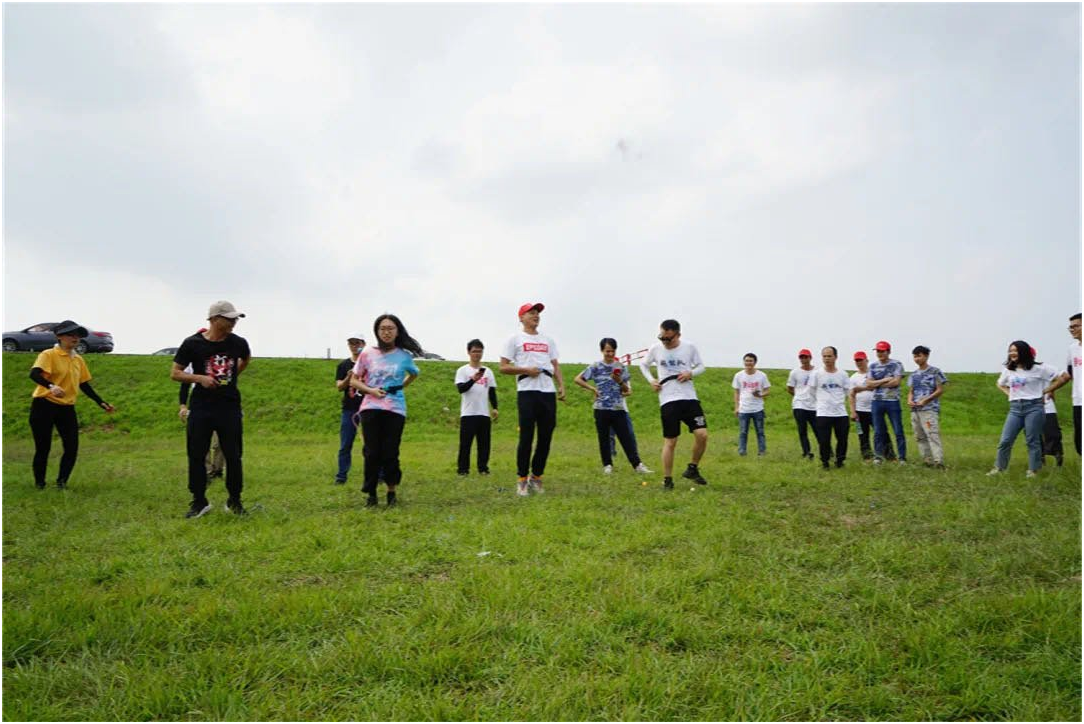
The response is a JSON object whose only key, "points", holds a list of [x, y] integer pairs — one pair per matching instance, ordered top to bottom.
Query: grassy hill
{"points": [[778, 592]]}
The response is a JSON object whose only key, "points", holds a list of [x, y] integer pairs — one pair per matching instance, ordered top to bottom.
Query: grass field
{"points": [[778, 592]]}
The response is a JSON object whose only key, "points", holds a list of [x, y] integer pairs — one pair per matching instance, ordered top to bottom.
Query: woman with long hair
{"points": [[382, 372], [1023, 381]]}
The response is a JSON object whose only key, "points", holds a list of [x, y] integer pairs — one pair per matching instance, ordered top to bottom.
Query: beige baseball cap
{"points": [[222, 308]]}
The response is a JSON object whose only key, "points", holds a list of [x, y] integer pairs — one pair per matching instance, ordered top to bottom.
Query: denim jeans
{"points": [[880, 408], [1026, 415], [757, 419], [348, 432]]}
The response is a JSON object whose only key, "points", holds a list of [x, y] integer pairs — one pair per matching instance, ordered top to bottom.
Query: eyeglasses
{"points": [[387, 329], [669, 339]]}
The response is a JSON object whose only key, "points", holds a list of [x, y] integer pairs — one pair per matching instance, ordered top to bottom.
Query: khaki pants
{"points": [[927, 427]]}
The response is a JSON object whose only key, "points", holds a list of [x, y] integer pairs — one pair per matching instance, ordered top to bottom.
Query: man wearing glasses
{"points": [[676, 363], [1072, 372]]}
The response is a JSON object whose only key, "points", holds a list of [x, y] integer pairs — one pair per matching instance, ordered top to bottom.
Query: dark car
{"points": [[40, 336], [171, 351]]}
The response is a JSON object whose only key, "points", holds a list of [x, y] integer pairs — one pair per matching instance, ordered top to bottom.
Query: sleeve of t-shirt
{"points": [[245, 351], [509, 352], [554, 354], [184, 356], [44, 361], [645, 364], [696, 365], [361, 366], [412, 367], [342, 370], [897, 370], [588, 373], [461, 375], [625, 376], [941, 376], [492, 378], [792, 379], [1003, 379], [765, 383], [735, 384], [847, 384]]}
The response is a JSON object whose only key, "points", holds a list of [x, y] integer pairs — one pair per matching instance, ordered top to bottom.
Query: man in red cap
{"points": [[532, 357], [884, 379], [804, 404]]}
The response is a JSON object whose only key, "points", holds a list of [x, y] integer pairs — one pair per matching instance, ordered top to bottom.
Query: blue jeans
{"points": [[891, 408], [1029, 416], [743, 430], [348, 431]]}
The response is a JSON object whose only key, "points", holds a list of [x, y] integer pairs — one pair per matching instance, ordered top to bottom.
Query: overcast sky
{"points": [[774, 176]]}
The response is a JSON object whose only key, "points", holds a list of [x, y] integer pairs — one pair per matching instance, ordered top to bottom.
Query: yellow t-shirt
{"points": [[65, 370]]}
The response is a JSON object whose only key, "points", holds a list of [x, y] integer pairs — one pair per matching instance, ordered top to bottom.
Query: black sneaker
{"points": [[807, 456], [839, 463], [826, 466], [483, 472], [463, 473], [693, 473], [340, 482], [668, 483], [61, 484], [39, 486], [391, 500], [371, 502], [235, 507], [195, 510]]}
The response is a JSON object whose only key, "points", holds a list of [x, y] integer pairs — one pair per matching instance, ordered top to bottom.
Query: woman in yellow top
{"points": [[60, 374]]}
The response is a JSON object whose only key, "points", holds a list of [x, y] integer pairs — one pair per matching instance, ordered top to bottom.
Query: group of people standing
{"points": [[373, 381]]}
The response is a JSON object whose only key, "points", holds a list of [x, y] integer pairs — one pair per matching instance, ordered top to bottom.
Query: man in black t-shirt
{"points": [[218, 357], [348, 427]]}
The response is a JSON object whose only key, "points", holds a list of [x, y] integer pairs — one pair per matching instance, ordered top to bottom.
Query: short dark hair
{"points": [[1075, 316], [671, 325], [607, 341], [475, 343], [921, 349], [834, 350], [750, 354], [1024, 358]]}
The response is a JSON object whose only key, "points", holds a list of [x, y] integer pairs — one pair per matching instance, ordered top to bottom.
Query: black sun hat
{"points": [[70, 327]]}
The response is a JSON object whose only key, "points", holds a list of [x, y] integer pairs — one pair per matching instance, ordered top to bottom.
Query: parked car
{"points": [[40, 336], [171, 351], [427, 356]]}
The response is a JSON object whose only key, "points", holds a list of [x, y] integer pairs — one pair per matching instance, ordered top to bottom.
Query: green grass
{"points": [[778, 592]]}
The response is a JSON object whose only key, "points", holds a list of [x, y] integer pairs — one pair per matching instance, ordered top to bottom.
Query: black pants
{"points": [[536, 409], [44, 416], [805, 418], [202, 422], [617, 422], [470, 427], [825, 427], [1076, 427], [383, 432], [1052, 435], [865, 440]]}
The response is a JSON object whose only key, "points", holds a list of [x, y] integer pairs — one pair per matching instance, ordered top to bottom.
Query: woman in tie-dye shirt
{"points": [[382, 372]]}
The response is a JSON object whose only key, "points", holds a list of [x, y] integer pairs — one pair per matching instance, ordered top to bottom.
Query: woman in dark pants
{"points": [[60, 375]]}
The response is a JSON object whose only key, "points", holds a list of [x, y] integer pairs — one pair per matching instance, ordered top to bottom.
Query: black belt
{"points": [[547, 373], [664, 380], [391, 389]]}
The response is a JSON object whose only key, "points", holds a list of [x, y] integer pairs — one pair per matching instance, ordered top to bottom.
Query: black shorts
{"points": [[679, 411]]}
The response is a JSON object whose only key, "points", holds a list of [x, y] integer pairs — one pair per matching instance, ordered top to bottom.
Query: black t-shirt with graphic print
{"points": [[220, 360]]}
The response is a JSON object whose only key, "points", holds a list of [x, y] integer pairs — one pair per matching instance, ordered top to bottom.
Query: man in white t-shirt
{"points": [[532, 357], [677, 363], [1072, 372], [751, 386], [804, 404], [477, 408]]}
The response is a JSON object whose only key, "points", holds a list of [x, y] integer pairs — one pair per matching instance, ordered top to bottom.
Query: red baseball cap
{"points": [[529, 306], [883, 346], [1033, 352], [804, 353], [860, 355]]}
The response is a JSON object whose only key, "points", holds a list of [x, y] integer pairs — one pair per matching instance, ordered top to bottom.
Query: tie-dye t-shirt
{"points": [[385, 369], [881, 370], [924, 383], [609, 392]]}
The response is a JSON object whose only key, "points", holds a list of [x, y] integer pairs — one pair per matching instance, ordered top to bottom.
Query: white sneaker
{"points": [[641, 468], [607, 469], [993, 472], [1031, 473], [535, 484], [521, 489]]}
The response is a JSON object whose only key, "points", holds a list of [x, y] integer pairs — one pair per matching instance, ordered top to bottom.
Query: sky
{"points": [[772, 176]]}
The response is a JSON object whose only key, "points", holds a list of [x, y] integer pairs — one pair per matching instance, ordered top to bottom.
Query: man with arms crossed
{"points": [[532, 357], [676, 363], [1072, 372]]}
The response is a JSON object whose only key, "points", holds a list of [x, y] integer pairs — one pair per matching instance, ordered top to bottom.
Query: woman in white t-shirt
{"points": [[1023, 381], [830, 387]]}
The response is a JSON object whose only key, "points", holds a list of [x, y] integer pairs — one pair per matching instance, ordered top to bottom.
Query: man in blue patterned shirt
{"points": [[884, 379], [924, 398]]}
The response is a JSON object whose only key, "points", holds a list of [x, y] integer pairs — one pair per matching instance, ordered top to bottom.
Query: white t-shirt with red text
{"points": [[532, 350]]}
